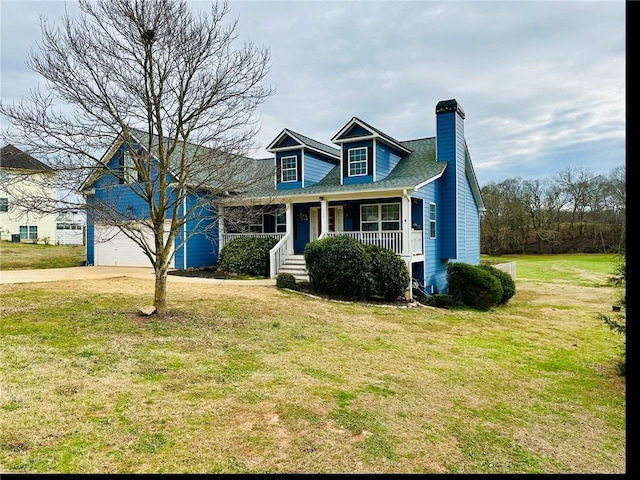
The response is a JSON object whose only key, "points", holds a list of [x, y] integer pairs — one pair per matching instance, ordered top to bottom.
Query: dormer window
{"points": [[357, 161], [289, 169]]}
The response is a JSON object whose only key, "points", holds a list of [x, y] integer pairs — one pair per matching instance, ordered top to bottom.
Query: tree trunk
{"points": [[160, 293]]}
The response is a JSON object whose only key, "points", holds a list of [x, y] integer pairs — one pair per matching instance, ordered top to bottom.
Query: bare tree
{"points": [[168, 83]]}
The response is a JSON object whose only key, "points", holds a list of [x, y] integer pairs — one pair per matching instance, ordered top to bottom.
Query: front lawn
{"points": [[25, 256], [251, 379]]}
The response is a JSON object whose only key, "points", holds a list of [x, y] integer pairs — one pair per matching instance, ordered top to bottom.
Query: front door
{"points": [[315, 221]]}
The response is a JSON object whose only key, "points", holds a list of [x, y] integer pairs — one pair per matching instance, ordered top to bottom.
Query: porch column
{"points": [[324, 216], [289, 220], [406, 226], [220, 228], [407, 254]]}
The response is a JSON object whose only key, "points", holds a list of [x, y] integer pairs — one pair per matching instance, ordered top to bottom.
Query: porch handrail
{"points": [[227, 237], [278, 254]]}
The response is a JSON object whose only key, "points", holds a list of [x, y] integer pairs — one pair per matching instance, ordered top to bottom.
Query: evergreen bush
{"points": [[247, 256], [339, 266], [389, 274], [286, 280], [508, 285], [473, 286]]}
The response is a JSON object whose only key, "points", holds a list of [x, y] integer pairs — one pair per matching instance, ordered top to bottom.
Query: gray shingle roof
{"points": [[310, 142], [12, 158], [412, 170]]}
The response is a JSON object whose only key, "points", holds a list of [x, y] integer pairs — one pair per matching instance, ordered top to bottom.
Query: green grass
{"points": [[21, 256], [252, 379]]}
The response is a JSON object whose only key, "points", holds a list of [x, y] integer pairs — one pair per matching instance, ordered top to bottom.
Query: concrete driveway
{"points": [[96, 273]]}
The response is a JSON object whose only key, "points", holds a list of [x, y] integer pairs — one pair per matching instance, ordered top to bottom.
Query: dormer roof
{"points": [[361, 130], [288, 139]]}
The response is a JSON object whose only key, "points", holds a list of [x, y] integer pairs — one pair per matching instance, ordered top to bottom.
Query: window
{"points": [[357, 161], [127, 166], [289, 169], [4, 204], [384, 217], [432, 220], [281, 222], [255, 223], [28, 232]]}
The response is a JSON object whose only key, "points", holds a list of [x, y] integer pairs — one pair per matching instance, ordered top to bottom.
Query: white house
{"points": [[23, 182], [70, 228]]}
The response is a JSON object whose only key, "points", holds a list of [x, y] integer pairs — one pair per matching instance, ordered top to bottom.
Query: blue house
{"points": [[419, 198]]}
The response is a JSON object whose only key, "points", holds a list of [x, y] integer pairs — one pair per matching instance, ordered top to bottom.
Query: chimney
{"points": [[450, 148]]}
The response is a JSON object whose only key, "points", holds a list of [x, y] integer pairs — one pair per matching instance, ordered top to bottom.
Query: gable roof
{"points": [[341, 137], [303, 141], [12, 158], [412, 171], [242, 174]]}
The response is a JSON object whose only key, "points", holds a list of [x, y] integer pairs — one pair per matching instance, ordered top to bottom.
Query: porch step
{"points": [[296, 266]]}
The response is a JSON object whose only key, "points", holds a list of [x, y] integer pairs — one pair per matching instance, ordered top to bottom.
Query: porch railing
{"points": [[227, 237], [385, 239], [278, 254]]}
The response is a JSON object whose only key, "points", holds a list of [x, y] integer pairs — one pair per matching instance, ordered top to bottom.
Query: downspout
{"points": [[184, 245]]}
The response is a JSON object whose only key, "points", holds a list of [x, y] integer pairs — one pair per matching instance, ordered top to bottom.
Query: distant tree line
{"points": [[575, 211]]}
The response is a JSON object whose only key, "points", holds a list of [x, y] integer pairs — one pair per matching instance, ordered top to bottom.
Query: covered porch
{"points": [[393, 222]]}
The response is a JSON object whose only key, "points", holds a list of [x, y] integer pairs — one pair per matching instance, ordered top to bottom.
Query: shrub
{"points": [[247, 256], [338, 266], [389, 274], [286, 280], [508, 285], [473, 286], [442, 300]]}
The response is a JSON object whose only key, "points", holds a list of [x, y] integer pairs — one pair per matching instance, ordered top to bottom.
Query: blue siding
{"points": [[356, 131], [446, 151], [386, 160], [345, 162], [315, 168], [289, 185], [469, 236], [201, 248], [434, 268]]}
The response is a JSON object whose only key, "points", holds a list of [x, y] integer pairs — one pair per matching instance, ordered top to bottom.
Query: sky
{"points": [[542, 83]]}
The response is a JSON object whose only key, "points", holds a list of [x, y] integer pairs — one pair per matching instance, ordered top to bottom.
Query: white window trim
{"points": [[365, 161], [294, 168], [129, 171], [380, 221], [433, 221]]}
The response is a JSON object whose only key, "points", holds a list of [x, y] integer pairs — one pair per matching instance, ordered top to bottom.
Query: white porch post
{"points": [[324, 216], [289, 217], [406, 225], [220, 228], [407, 254]]}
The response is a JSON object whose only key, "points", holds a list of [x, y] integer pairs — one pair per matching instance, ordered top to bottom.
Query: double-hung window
{"points": [[357, 161], [289, 169], [128, 171], [4, 204], [385, 217], [432, 220], [281, 221], [28, 232]]}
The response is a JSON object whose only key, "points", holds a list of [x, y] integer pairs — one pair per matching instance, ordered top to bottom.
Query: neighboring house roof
{"points": [[12, 158], [416, 169]]}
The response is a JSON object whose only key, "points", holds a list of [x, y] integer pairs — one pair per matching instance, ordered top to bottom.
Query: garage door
{"points": [[114, 248]]}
